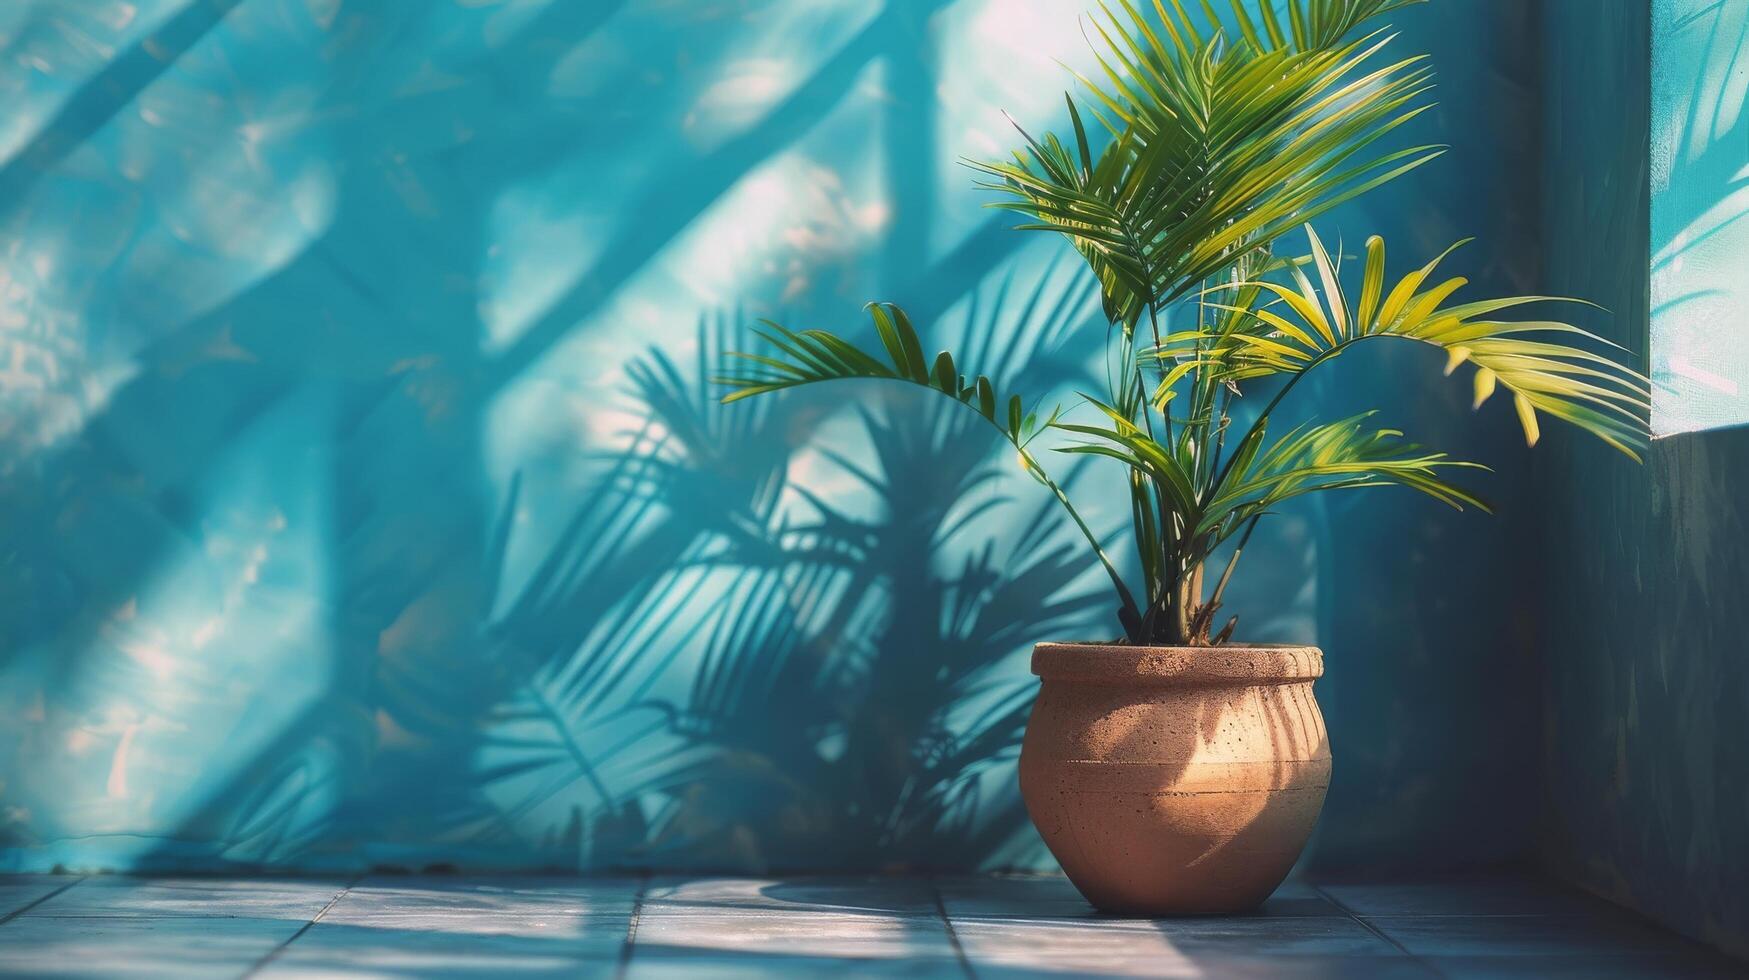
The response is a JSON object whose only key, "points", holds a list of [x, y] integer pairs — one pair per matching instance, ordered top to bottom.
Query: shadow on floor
{"points": [[1010, 926]]}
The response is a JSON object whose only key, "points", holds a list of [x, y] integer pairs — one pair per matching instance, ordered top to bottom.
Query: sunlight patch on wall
{"points": [[53, 50], [995, 57], [1700, 198], [785, 235]]}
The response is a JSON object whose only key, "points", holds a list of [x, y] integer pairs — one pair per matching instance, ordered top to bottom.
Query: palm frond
{"points": [[1218, 144], [1305, 326], [813, 356], [816, 356], [1126, 441], [1330, 456]]}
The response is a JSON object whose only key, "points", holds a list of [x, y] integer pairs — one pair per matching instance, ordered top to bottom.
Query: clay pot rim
{"points": [[1169, 666]]}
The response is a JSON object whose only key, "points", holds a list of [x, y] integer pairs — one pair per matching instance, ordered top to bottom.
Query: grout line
{"points": [[15, 913], [1364, 924], [1375, 930], [953, 937], [625, 951], [273, 953]]}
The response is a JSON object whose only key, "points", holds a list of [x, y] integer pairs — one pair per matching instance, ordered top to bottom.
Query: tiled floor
{"points": [[912, 927]]}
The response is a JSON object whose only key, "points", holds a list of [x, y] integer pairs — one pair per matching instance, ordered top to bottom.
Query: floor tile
{"points": [[17, 892], [858, 894], [1464, 895], [1013, 896], [1053, 896], [1298, 898], [294, 899], [597, 910], [728, 925], [469, 926], [1015, 926], [1022, 926], [796, 932], [1280, 936], [1525, 936], [1066, 939], [177, 946], [520, 947], [1004, 947], [653, 964], [1699, 966], [1222, 967], [1315, 967]]}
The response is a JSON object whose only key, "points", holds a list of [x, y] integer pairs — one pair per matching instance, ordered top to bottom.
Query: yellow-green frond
{"points": [[1530, 359]]}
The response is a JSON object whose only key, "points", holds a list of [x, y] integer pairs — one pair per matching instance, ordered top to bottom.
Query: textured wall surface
{"points": [[1700, 198], [363, 499], [1646, 721]]}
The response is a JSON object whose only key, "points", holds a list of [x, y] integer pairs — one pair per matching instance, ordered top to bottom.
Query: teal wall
{"points": [[1700, 197], [363, 500], [1646, 686]]}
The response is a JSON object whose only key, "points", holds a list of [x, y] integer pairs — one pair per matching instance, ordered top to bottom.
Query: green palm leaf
{"points": [[1219, 143], [1308, 326], [813, 356], [816, 356], [1124, 440], [1328, 456]]}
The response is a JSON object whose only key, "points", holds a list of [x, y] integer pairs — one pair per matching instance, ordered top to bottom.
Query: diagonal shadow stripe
{"points": [[105, 95], [677, 198]]}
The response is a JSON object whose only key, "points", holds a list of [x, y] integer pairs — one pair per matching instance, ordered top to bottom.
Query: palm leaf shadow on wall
{"points": [[698, 673], [840, 707], [371, 752]]}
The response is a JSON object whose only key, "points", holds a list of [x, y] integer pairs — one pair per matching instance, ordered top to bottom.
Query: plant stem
{"points": [[1159, 358], [1233, 562], [1123, 591], [1181, 611]]}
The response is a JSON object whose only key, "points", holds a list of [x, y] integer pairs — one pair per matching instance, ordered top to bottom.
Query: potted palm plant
{"points": [[1172, 771]]}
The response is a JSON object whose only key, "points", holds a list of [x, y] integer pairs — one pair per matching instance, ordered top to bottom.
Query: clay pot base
{"points": [[1175, 780]]}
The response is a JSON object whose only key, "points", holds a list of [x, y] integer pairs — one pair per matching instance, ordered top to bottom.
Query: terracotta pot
{"points": [[1175, 780]]}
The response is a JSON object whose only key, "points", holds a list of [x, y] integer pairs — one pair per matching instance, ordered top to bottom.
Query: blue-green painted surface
{"points": [[1700, 199], [364, 502], [1646, 720]]}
